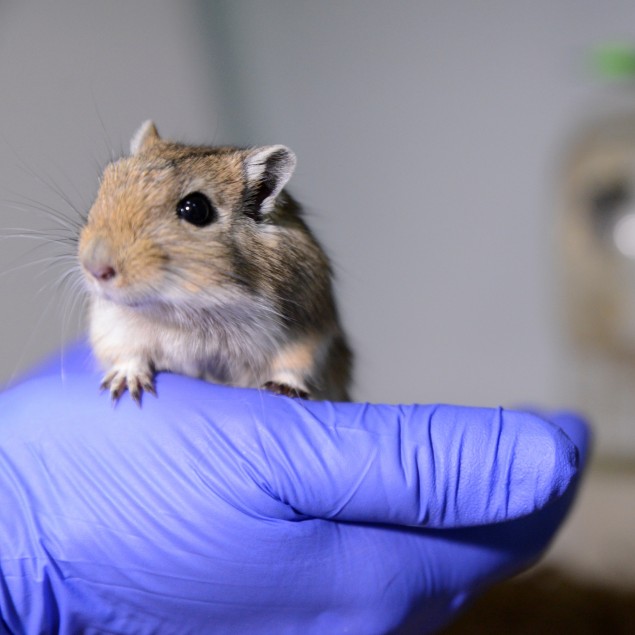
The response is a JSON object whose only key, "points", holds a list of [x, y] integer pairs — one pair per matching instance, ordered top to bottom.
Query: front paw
{"points": [[135, 375], [285, 389]]}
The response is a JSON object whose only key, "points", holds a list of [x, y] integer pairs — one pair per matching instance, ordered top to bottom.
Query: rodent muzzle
{"points": [[97, 260]]}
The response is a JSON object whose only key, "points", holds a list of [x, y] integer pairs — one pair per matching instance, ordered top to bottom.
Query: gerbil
{"points": [[197, 262]]}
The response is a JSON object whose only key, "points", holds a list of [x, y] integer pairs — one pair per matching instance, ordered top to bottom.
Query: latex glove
{"points": [[225, 510]]}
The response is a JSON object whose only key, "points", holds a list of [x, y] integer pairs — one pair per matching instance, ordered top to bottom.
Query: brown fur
{"points": [[245, 300]]}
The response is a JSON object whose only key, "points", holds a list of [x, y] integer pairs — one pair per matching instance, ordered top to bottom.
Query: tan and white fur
{"points": [[245, 299]]}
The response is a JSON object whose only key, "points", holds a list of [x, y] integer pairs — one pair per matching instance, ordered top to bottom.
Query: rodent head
{"points": [[172, 223]]}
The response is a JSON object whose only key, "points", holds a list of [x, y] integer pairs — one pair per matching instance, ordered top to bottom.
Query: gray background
{"points": [[428, 137]]}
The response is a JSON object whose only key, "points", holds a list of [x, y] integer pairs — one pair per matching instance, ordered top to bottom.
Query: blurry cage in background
{"points": [[598, 245]]}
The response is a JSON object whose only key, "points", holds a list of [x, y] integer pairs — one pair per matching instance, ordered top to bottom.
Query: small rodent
{"points": [[197, 262]]}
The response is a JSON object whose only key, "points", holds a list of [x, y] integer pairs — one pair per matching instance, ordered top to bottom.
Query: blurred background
{"points": [[468, 166]]}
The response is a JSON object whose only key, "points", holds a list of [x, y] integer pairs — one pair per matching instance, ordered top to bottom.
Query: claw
{"points": [[134, 376], [106, 381], [149, 387], [134, 389], [286, 390], [116, 391], [136, 396]]}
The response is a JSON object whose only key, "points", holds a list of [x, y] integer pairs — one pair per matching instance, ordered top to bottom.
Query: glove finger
{"points": [[575, 427], [427, 466]]}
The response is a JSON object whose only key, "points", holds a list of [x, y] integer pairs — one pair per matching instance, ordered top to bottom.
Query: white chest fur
{"points": [[234, 345]]}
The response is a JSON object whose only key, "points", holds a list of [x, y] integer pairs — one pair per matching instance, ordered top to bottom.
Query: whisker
{"points": [[108, 141], [47, 182], [28, 204], [28, 231], [53, 235], [48, 240], [62, 262], [24, 265], [73, 302], [29, 340]]}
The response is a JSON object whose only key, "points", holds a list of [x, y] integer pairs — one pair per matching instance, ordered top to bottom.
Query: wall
{"points": [[429, 138]]}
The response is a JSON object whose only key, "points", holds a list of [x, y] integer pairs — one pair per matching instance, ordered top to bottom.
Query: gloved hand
{"points": [[226, 510]]}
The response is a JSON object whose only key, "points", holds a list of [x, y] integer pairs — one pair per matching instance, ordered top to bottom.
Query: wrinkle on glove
{"points": [[426, 466], [224, 510]]}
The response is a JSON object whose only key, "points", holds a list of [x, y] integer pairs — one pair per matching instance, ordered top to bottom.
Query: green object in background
{"points": [[614, 60]]}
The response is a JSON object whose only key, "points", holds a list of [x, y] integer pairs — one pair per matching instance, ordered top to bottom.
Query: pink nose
{"points": [[96, 257], [103, 273]]}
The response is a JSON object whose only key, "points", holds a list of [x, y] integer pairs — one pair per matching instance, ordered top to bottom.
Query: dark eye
{"points": [[197, 209]]}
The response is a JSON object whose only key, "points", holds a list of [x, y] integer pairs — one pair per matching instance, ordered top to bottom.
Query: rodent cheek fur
{"points": [[134, 249], [159, 260], [120, 263], [137, 267]]}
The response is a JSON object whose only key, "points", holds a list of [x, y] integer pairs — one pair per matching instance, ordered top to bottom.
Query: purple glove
{"points": [[226, 510]]}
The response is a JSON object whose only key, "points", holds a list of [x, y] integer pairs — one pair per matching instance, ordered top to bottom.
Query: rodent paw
{"points": [[134, 376], [285, 389]]}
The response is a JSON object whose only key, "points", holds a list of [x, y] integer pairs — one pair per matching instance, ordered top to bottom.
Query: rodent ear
{"points": [[146, 135], [268, 170]]}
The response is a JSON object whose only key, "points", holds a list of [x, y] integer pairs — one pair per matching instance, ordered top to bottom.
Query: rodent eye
{"points": [[197, 209]]}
